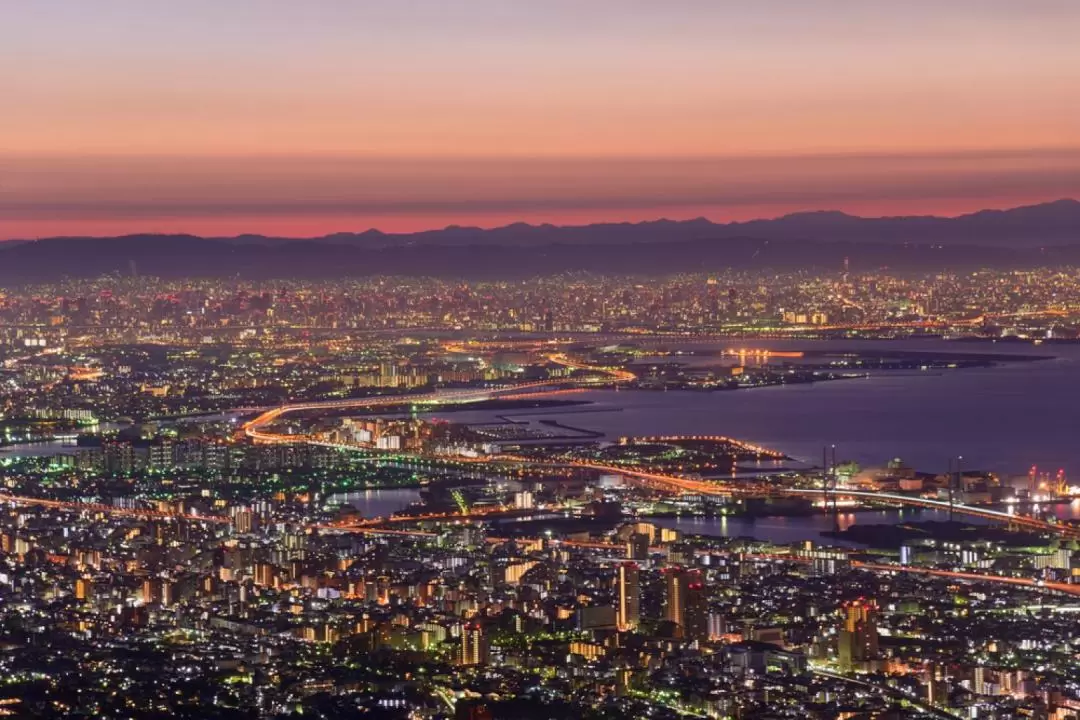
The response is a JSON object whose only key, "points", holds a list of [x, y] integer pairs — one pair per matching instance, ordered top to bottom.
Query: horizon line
{"points": [[488, 228]]}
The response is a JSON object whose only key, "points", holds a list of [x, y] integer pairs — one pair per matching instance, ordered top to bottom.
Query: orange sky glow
{"points": [[305, 118]]}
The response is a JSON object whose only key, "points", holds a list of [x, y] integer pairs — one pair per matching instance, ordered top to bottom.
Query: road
{"points": [[254, 428], [109, 509], [378, 526], [973, 577], [889, 692]]}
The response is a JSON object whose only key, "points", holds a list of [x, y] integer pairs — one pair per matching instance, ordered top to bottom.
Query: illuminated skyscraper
{"points": [[244, 521], [686, 603], [628, 611], [858, 641], [474, 650]]}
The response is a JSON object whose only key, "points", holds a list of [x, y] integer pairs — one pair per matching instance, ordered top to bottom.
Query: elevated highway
{"points": [[255, 429], [94, 508], [972, 577]]}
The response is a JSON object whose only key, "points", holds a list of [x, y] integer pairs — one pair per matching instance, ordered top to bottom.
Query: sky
{"points": [[302, 118]]}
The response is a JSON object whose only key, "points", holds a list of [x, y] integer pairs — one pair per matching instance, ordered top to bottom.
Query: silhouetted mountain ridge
{"points": [[1051, 223], [1020, 237]]}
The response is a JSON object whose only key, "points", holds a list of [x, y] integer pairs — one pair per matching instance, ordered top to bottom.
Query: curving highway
{"points": [[253, 428]]}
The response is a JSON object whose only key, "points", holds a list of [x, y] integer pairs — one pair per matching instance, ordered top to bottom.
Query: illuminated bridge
{"points": [[610, 374], [661, 482], [676, 484], [682, 485], [474, 513], [1024, 521]]}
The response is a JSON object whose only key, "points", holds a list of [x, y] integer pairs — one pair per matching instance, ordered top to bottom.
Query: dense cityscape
{"points": [[1039, 303], [560, 360], [184, 530]]}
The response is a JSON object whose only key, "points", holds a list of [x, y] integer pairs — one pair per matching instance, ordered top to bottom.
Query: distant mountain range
{"points": [[1023, 236]]}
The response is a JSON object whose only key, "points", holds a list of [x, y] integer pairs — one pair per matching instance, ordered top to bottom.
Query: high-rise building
{"points": [[162, 454], [119, 457], [523, 500], [244, 521], [644, 528], [637, 547], [824, 562], [513, 572], [264, 574], [84, 589], [151, 591], [168, 593], [675, 597], [686, 603], [697, 609], [628, 610], [597, 617], [858, 639], [474, 649], [979, 686]]}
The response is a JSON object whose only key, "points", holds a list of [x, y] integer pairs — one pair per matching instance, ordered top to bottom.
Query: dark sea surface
{"points": [[1004, 418]]}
